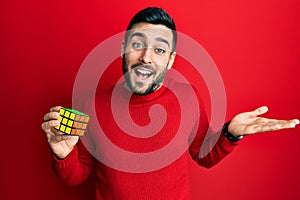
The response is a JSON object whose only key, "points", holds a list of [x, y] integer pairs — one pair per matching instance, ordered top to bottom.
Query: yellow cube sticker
{"points": [[61, 112], [67, 114], [72, 116], [64, 121], [70, 123], [62, 128], [68, 130]]}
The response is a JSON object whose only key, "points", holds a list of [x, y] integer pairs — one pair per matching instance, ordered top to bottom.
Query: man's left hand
{"points": [[250, 123]]}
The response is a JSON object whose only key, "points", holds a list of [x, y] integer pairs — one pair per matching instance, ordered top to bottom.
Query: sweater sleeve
{"points": [[208, 147], [211, 151], [76, 167]]}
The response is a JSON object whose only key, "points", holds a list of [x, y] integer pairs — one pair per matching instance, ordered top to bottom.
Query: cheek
{"points": [[132, 57], [161, 63]]}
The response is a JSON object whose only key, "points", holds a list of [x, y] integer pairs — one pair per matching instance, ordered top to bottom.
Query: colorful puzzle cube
{"points": [[72, 122]]}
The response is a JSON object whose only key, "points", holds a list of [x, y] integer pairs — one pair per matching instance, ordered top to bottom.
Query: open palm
{"points": [[250, 123]]}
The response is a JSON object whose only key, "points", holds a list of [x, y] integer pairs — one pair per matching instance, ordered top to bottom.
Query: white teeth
{"points": [[143, 72]]}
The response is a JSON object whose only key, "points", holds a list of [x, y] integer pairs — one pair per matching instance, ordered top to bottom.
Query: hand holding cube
{"points": [[63, 128]]}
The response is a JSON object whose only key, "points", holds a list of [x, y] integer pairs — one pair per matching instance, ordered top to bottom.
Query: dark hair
{"points": [[153, 15]]}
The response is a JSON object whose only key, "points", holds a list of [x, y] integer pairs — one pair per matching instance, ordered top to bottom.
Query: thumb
{"points": [[260, 111]]}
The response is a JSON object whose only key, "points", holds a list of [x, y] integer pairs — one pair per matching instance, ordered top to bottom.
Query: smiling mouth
{"points": [[143, 73]]}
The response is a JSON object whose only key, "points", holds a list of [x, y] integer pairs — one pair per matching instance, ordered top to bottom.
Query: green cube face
{"points": [[72, 122]]}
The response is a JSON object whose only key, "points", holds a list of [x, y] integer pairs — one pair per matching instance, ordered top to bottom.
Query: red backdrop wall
{"points": [[255, 45]]}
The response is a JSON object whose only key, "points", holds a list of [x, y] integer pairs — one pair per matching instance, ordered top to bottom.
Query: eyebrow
{"points": [[138, 34], [159, 39], [163, 40]]}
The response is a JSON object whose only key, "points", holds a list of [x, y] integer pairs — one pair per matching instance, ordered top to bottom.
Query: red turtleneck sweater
{"points": [[162, 172]]}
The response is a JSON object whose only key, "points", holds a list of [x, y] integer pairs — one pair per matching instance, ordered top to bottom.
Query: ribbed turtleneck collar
{"points": [[136, 98]]}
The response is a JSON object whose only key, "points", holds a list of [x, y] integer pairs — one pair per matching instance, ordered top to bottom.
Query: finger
{"points": [[55, 108], [260, 111], [51, 115], [296, 121], [284, 123], [293, 123], [47, 126], [273, 126], [276, 127], [259, 129], [67, 137], [59, 138]]}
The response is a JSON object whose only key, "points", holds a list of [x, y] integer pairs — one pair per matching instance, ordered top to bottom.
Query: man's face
{"points": [[147, 57]]}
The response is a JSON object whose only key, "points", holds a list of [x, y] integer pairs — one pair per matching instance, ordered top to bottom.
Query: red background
{"points": [[255, 45]]}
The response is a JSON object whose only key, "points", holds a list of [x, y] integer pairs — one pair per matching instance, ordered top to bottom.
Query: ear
{"points": [[123, 48], [171, 60]]}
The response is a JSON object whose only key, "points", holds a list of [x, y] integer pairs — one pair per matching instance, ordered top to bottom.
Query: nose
{"points": [[146, 56]]}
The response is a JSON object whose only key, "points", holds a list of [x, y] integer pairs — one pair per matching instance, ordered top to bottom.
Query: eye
{"points": [[137, 45], [160, 51]]}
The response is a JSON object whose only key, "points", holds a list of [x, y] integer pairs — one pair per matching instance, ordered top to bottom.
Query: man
{"points": [[148, 52]]}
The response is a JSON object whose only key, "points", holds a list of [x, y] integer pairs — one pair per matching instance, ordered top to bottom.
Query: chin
{"points": [[147, 89], [141, 90]]}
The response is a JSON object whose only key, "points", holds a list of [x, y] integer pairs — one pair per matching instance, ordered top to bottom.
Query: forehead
{"points": [[152, 31]]}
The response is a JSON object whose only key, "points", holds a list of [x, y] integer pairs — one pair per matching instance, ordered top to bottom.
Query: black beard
{"points": [[154, 86]]}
